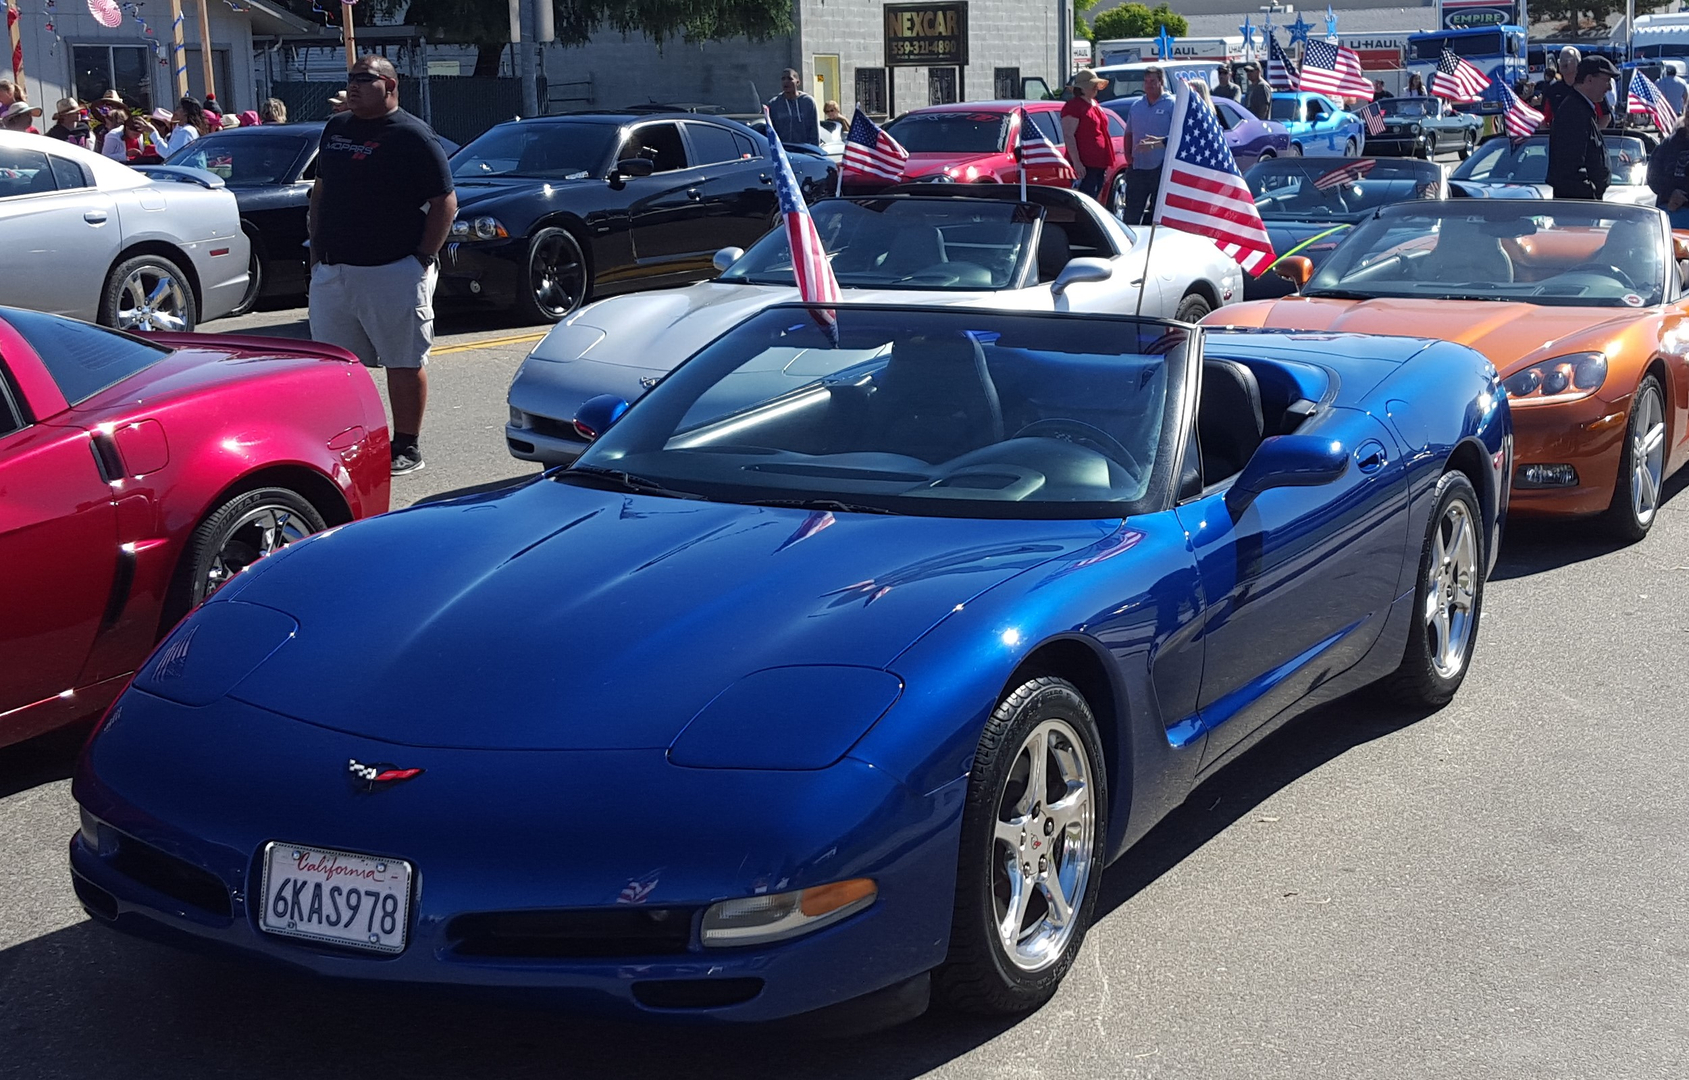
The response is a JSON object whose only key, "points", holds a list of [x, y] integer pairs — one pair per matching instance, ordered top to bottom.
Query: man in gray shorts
{"points": [[381, 207]]}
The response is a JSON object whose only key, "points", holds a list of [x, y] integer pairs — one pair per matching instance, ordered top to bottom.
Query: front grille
{"points": [[554, 429], [171, 876], [571, 934]]}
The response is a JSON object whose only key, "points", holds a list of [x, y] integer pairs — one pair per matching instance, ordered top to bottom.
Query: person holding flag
{"points": [[1647, 99], [1084, 131], [1577, 154], [1203, 192], [810, 265]]}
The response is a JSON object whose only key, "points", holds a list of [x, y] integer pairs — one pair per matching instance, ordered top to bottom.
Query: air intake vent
{"points": [[171, 876], [574, 933]]}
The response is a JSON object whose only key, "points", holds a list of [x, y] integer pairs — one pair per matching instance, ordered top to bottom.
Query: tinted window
{"points": [[1046, 123], [951, 132], [657, 143], [712, 145], [747, 146], [545, 150], [243, 159], [24, 172], [69, 174], [1317, 188], [83, 359], [10, 417]]}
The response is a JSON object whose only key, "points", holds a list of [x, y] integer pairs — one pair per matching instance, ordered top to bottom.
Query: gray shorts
{"points": [[383, 315]]}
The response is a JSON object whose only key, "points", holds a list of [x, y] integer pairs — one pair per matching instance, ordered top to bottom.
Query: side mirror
{"points": [[635, 166], [726, 257], [1296, 269], [1078, 270], [596, 414], [1287, 461]]}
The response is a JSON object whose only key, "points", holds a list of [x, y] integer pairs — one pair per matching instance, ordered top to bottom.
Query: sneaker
{"points": [[407, 461]]}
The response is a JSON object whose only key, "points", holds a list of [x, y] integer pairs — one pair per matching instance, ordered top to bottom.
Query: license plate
{"points": [[341, 897]]}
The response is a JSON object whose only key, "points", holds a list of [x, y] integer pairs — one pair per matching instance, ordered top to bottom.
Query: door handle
{"points": [[767, 179], [692, 193], [95, 217], [1370, 457]]}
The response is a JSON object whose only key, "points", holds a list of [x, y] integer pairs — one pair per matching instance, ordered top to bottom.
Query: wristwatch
{"points": [[427, 260]]}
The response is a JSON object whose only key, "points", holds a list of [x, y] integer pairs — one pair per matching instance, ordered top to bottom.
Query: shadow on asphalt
{"points": [[446, 321], [1534, 545], [41, 760]]}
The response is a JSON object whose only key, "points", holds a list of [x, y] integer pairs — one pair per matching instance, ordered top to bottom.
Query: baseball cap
{"points": [[1596, 65]]}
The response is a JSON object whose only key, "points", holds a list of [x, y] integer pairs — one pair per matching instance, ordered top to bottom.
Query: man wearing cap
{"points": [[1225, 87], [1258, 96], [337, 103], [1149, 120], [69, 125], [1084, 131], [1577, 155]]}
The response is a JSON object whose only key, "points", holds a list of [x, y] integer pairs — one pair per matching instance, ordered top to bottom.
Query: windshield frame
{"points": [[461, 159], [1307, 167], [1178, 403]]}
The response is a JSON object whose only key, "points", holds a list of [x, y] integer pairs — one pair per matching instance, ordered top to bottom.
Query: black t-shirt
{"points": [[377, 176]]}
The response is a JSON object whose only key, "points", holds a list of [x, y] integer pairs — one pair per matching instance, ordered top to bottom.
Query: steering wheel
{"points": [[1604, 268], [1089, 436]]}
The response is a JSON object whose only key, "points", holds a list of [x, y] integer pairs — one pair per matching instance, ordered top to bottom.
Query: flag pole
{"points": [[1143, 284]]}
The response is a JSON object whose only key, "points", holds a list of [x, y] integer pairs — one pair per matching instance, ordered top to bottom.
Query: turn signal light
{"points": [[759, 920]]}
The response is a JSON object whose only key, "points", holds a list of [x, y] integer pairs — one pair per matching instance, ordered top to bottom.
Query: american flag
{"points": [[1328, 68], [1281, 73], [1458, 80], [1646, 100], [1373, 116], [1520, 119], [1036, 149], [868, 150], [1344, 175], [1202, 192], [816, 283], [636, 890]]}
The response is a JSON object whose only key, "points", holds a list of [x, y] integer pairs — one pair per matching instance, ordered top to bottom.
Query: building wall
{"points": [[633, 71]]}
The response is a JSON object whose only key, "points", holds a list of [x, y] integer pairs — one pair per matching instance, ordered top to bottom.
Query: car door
{"points": [[1322, 122], [739, 205], [665, 209], [60, 233], [58, 545], [1297, 584]]}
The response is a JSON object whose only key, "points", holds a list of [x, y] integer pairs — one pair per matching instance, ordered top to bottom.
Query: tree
{"points": [[1138, 21]]}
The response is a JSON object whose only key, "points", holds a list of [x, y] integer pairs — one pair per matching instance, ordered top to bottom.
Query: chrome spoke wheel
{"points": [[152, 298], [1647, 454], [257, 533], [1451, 590], [1044, 837]]}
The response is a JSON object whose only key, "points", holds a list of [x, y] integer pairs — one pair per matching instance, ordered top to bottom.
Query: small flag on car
{"points": [[1328, 68], [1281, 73], [1457, 79], [1646, 100], [1373, 116], [1520, 120], [1035, 148], [869, 151], [1345, 175], [816, 283]]}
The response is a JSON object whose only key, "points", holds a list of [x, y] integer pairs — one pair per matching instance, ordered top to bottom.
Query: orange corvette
{"points": [[1582, 308]]}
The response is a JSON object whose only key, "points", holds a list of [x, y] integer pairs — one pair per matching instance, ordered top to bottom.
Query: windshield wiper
{"points": [[1340, 294], [1492, 297], [627, 481], [822, 504]]}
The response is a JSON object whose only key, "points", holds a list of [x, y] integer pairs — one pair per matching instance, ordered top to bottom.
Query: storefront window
{"points": [[128, 69]]}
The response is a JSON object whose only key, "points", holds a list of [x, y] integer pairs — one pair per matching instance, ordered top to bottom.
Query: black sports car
{"points": [[269, 168], [556, 210]]}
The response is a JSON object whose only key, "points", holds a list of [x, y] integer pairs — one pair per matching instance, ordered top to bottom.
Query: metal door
{"points": [[59, 233]]}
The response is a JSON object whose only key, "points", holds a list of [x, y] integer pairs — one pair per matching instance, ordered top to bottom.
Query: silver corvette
{"points": [[94, 239], [978, 246]]}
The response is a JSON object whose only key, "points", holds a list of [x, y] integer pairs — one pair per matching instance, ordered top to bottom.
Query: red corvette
{"points": [[138, 475]]}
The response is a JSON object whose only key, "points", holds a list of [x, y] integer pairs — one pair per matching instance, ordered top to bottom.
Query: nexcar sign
{"points": [[926, 35]]}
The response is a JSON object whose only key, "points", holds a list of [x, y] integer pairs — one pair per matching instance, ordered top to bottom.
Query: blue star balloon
{"points": [[1330, 22], [1299, 30], [1248, 32], [1164, 44]]}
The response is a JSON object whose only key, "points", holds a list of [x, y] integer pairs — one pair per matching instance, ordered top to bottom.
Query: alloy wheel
{"points": [[555, 274], [151, 298], [1647, 454], [260, 531], [1451, 589], [1044, 841]]}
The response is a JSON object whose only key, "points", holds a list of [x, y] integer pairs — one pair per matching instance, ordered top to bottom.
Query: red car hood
{"points": [[920, 165]]}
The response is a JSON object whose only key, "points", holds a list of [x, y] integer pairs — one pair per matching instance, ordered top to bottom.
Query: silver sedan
{"points": [[94, 239]]}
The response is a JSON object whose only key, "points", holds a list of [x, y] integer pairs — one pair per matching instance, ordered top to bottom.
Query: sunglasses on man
{"points": [[363, 78]]}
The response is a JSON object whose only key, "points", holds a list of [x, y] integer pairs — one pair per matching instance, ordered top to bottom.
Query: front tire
{"points": [[1467, 145], [1351, 148], [1117, 192], [254, 279], [556, 282], [148, 292], [1636, 496], [234, 536], [1447, 600], [1030, 863]]}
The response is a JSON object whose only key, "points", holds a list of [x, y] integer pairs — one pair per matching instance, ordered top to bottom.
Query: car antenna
{"points": [[1143, 282]]}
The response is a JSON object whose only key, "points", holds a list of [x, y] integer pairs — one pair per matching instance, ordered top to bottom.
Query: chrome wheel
{"points": [[1351, 148], [556, 273], [152, 297], [1647, 454], [256, 533], [1451, 589], [1045, 836]]}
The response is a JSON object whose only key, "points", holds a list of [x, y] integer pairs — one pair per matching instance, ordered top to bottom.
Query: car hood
{"points": [[927, 164], [483, 194], [1508, 334], [559, 617]]}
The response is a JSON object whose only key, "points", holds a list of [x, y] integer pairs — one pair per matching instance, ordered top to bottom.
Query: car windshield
{"points": [[1410, 108], [951, 132], [547, 150], [244, 159], [1501, 161], [1338, 188], [906, 243], [1563, 254], [942, 412]]}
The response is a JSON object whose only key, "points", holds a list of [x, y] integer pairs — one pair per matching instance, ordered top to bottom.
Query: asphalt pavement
{"points": [[1493, 890]]}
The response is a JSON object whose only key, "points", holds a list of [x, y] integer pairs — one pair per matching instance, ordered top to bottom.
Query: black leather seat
{"points": [[914, 249], [1054, 251], [934, 400], [1229, 424]]}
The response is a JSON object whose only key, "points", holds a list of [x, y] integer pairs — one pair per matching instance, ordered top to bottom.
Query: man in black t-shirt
{"points": [[381, 207]]}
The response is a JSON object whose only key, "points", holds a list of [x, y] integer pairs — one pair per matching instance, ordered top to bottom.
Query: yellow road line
{"points": [[488, 343]]}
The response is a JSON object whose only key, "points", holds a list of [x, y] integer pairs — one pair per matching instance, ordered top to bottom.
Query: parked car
{"points": [[1127, 80], [1319, 126], [1424, 127], [1250, 140], [974, 142], [831, 145], [270, 169], [1501, 169], [1309, 204], [556, 210], [91, 238], [947, 245], [1579, 304], [141, 474], [942, 607]]}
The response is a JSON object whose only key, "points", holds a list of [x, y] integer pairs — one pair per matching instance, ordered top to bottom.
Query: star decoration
{"points": [[1330, 21], [1299, 30], [1248, 32], [1164, 44]]}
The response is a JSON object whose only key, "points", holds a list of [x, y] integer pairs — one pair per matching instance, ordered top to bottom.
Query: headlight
{"points": [[1414, 129], [481, 228], [1563, 378], [758, 920]]}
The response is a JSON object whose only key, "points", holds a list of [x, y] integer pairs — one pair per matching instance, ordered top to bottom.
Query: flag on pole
{"points": [[14, 34], [1328, 68], [1281, 73], [1457, 79], [1646, 100], [1372, 114], [1520, 120], [1035, 148], [868, 150], [1344, 175], [1202, 191], [816, 283]]}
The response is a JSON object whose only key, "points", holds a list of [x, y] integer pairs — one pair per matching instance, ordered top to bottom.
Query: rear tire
{"points": [[1467, 145], [1351, 148], [1296, 150], [254, 279], [148, 292], [1192, 308], [1636, 496], [232, 537], [1448, 599]]}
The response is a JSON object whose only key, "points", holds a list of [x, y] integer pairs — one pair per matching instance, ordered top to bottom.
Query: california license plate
{"points": [[340, 897]]}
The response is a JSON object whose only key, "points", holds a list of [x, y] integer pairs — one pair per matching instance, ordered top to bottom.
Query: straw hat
{"points": [[1086, 79], [111, 97], [67, 107], [19, 108]]}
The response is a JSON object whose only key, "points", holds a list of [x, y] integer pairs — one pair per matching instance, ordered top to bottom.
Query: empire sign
{"points": [[927, 35]]}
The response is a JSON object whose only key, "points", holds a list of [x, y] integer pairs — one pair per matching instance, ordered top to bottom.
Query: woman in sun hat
{"points": [[20, 116], [1090, 147]]}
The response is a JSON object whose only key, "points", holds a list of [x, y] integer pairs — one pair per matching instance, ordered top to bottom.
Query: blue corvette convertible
{"points": [[830, 676]]}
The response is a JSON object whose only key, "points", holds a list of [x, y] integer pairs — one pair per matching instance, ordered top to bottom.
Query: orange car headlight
{"points": [[1562, 378]]}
